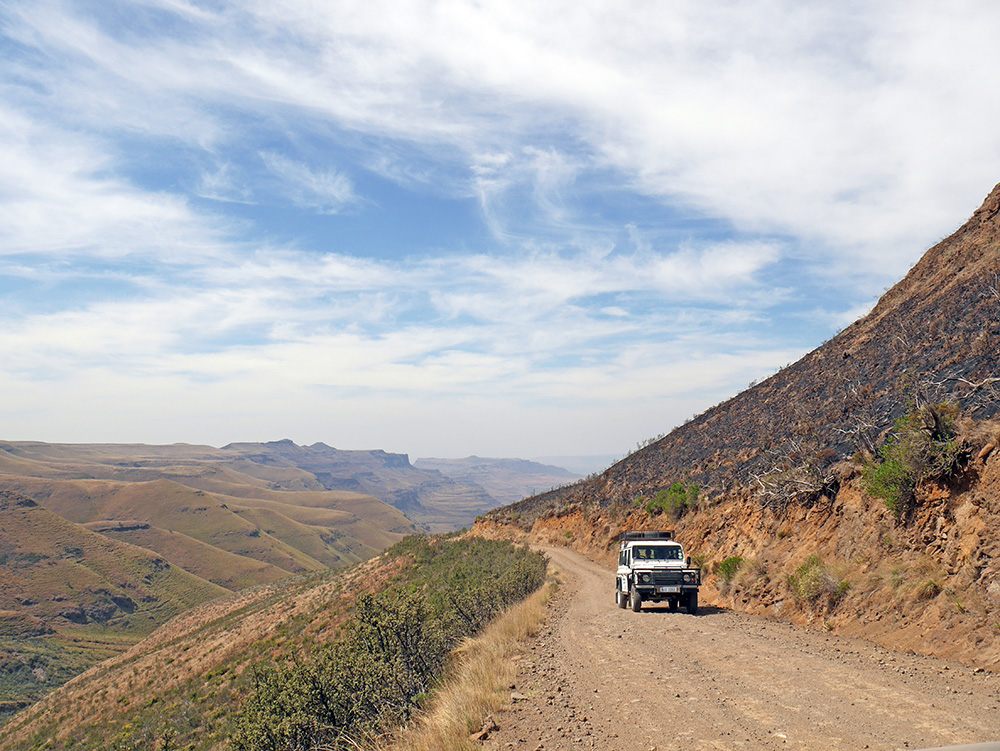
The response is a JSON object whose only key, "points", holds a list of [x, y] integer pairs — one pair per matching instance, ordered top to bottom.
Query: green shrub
{"points": [[921, 447], [674, 501], [727, 569], [810, 579], [928, 590], [841, 591], [394, 650]]}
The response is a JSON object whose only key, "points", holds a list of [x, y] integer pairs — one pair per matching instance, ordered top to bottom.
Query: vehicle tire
{"points": [[622, 599], [636, 600], [672, 603], [692, 604]]}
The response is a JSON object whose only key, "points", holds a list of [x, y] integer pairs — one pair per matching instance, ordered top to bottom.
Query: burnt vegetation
{"points": [[928, 350]]}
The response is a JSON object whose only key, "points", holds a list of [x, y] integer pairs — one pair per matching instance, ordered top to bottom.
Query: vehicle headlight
{"points": [[644, 578]]}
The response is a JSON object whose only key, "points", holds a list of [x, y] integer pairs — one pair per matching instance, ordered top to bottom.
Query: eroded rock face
{"points": [[930, 584], [993, 590]]}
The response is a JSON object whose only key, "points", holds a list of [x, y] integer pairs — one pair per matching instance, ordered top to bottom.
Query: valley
{"points": [[102, 543]]}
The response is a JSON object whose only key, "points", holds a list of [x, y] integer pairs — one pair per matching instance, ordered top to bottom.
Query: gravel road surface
{"points": [[605, 678]]}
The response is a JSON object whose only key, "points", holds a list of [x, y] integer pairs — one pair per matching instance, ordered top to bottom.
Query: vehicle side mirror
{"points": [[689, 561]]}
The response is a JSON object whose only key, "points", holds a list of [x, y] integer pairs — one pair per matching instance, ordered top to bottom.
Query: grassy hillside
{"points": [[125, 496], [175, 508], [206, 561], [70, 597], [195, 683]]}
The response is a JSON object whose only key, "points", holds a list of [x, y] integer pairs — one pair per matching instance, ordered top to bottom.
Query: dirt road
{"points": [[600, 677]]}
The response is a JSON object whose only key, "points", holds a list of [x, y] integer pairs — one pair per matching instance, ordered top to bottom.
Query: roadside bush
{"points": [[923, 446], [674, 501], [727, 569], [810, 580], [392, 653]]}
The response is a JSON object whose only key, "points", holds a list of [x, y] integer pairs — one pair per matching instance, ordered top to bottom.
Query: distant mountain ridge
{"points": [[506, 480], [432, 499]]}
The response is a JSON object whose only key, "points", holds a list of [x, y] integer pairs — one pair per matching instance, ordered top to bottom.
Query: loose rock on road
{"points": [[604, 678]]}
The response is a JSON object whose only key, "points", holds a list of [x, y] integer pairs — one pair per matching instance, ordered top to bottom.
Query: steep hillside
{"points": [[933, 337], [780, 470], [506, 480], [195, 514], [70, 597], [186, 674], [186, 685]]}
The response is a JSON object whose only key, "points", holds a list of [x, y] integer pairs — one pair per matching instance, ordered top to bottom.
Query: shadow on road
{"points": [[703, 610]]}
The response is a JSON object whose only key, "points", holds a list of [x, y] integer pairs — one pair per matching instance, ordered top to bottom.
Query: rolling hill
{"points": [[134, 501], [70, 596]]}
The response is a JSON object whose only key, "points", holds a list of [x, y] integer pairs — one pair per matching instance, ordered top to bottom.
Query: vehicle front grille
{"points": [[661, 578]]}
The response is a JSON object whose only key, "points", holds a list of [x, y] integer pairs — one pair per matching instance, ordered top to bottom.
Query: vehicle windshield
{"points": [[656, 552]]}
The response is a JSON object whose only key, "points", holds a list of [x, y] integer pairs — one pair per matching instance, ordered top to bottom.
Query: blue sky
{"points": [[456, 227]]}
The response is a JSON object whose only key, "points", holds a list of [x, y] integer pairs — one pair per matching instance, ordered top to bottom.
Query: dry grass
{"points": [[479, 684]]}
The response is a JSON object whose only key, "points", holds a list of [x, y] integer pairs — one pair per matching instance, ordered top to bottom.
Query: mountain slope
{"points": [[933, 337], [781, 472], [171, 507], [70, 597]]}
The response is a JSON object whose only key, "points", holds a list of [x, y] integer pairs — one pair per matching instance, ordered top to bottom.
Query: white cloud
{"points": [[822, 120], [842, 124], [594, 136], [223, 184], [326, 191], [61, 197]]}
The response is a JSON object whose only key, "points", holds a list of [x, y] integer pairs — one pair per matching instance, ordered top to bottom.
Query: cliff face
{"points": [[780, 479]]}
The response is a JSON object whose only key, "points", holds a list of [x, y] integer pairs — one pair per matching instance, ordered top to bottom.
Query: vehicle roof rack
{"points": [[664, 535]]}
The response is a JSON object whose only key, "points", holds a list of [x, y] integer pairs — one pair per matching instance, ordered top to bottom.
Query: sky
{"points": [[460, 227]]}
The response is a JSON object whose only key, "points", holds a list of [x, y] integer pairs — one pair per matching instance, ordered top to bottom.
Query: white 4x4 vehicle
{"points": [[652, 568]]}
